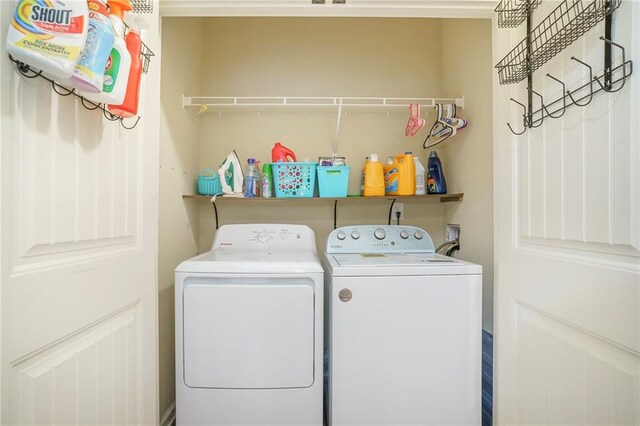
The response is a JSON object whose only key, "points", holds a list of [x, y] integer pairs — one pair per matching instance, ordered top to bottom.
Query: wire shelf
{"points": [[142, 6], [512, 13], [568, 22], [145, 54]]}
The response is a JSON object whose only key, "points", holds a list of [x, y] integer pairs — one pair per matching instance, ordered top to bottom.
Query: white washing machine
{"points": [[249, 327], [403, 332]]}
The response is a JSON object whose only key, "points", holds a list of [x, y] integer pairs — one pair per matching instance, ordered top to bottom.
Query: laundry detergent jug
{"points": [[280, 153], [406, 174], [391, 176], [373, 177], [436, 183]]}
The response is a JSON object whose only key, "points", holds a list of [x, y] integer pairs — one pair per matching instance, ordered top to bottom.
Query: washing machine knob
{"points": [[379, 233], [404, 234], [341, 235], [355, 235], [418, 235], [263, 236]]}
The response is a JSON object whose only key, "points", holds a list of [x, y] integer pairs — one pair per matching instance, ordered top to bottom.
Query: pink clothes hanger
{"points": [[415, 122]]}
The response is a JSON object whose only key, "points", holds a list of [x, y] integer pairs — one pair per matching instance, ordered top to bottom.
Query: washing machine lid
{"points": [[252, 261], [398, 264]]}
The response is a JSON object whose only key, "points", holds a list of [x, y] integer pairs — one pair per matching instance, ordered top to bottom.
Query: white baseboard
{"points": [[169, 416]]}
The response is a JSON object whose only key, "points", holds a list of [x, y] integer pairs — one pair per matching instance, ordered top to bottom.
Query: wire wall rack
{"points": [[142, 6], [512, 13], [568, 22], [28, 72], [610, 81]]}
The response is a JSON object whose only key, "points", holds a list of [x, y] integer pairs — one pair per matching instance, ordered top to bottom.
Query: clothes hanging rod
{"points": [[235, 102]]}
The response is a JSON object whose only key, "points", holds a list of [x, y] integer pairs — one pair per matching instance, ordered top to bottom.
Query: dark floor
{"points": [[487, 378]]}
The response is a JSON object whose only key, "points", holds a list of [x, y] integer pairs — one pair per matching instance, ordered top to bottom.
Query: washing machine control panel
{"points": [[379, 239]]}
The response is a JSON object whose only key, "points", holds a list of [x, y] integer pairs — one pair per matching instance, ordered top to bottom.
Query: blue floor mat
{"points": [[487, 378]]}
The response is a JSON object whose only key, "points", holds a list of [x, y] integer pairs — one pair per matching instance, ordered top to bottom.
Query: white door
{"points": [[568, 244], [78, 255]]}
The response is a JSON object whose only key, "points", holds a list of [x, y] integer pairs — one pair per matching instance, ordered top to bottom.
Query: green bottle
{"points": [[267, 180]]}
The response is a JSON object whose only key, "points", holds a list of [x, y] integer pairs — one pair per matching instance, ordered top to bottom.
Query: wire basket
{"points": [[142, 6], [512, 13], [569, 21], [294, 179]]}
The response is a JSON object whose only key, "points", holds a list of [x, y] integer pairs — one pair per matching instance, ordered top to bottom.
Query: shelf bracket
{"points": [[608, 58], [335, 141], [215, 211], [335, 214]]}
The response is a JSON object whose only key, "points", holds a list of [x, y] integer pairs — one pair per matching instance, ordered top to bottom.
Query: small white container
{"points": [[420, 177]]}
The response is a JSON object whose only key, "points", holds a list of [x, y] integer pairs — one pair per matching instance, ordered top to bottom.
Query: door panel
{"points": [[567, 251], [78, 255], [251, 336], [410, 343]]}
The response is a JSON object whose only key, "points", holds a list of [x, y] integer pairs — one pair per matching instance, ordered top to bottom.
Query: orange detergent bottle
{"points": [[129, 106], [406, 174], [373, 177]]}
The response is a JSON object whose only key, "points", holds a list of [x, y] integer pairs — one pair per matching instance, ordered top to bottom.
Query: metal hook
{"points": [[26, 70], [590, 84], [56, 88], [607, 88], [564, 99], [95, 106], [543, 109], [109, 116], [524, 119], [129, 128]]}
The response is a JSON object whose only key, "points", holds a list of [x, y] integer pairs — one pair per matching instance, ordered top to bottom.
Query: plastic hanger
{"points": [[415, 123]]}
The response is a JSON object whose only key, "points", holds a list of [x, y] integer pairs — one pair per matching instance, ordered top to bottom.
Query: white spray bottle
{"points": [[116, 73]]}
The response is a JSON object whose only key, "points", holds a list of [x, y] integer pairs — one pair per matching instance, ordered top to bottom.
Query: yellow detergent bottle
{"points": [[406, 174], [391, 176], [373, 177]]}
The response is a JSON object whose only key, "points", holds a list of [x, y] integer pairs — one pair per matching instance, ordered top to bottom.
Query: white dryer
{"points": [[249, 326], [403, 330]]}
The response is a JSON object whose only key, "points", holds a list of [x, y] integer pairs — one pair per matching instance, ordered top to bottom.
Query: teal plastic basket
{"points": [[294, 179], [333, 181], [209, 183]]}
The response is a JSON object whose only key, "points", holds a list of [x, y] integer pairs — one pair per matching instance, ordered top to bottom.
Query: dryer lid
{"points": [[243, 262]]}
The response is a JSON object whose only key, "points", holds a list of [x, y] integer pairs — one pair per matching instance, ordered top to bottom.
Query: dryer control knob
{"points": [[380, 233], [404, 234], [341, 235], [355, 235], [418, 235], [263, 236]]}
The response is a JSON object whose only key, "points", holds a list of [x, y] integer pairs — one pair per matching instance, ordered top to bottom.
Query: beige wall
{"points": [[317, 57], [179, 133], [468, 157]]}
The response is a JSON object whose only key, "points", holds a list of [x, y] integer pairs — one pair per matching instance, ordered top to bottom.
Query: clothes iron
{"points": [[231, 175]]}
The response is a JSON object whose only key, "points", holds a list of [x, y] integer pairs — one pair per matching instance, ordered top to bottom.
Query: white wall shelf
{"points": [[221, 105], [444, 198]]}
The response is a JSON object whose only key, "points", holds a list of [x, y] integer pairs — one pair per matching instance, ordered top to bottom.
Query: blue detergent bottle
{"points": [[436, 183]]}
